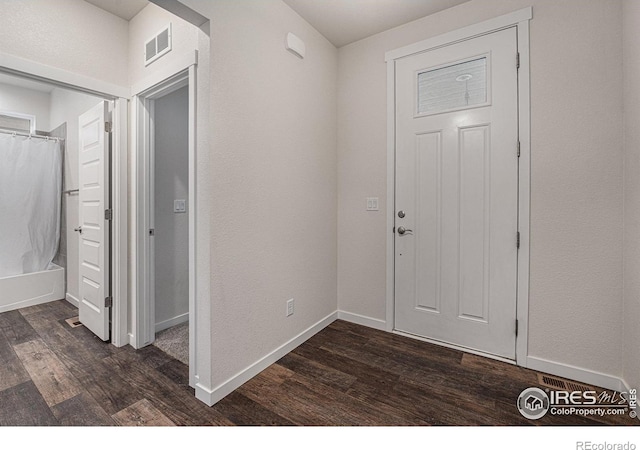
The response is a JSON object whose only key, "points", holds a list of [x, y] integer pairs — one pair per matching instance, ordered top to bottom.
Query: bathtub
{"points": [[30, 289]]}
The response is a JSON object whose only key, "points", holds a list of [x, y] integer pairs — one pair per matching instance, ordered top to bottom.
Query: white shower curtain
{"points": [[30, 195]]}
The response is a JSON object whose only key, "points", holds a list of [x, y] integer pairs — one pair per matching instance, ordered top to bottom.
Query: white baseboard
{"points": [[71, 299], [177, 320], [363, 320], [132, 340], [576, 373], [207, 396], [212, 396]]}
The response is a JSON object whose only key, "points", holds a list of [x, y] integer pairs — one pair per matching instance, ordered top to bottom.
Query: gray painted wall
{"points": [[171, 229]]}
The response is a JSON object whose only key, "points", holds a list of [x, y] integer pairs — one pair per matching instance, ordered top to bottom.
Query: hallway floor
{"points": [[174, 341], [53, 374]]}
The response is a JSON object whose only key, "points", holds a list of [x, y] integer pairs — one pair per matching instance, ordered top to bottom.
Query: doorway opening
{"points": [[164, 116], [169, 186], [89, 232]]}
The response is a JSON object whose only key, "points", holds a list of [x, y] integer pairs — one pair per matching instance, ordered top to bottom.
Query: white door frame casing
{"points": [[520, 20], [14, 65], [145, 182], [143, 312]]}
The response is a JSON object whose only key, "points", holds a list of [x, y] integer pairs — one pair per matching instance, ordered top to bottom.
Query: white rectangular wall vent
{"points": [[158, 45]]}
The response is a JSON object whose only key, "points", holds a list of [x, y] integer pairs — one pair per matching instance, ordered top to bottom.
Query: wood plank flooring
{"points": [[54, 374]]}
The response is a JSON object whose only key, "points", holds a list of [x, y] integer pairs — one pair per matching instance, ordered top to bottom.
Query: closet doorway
{"points": [[165, 118]]}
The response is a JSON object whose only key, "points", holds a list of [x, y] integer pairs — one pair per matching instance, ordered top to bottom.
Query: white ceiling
{"points": [[125, 9], [340, 21], [347, 21]]}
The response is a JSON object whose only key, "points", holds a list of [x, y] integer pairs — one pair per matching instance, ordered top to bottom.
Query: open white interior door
{"points": [[94, 220]]}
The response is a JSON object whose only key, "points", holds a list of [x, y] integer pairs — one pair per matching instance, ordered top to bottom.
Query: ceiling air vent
{"points": [[157, 46]]}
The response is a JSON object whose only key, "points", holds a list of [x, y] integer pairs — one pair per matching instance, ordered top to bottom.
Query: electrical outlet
{"points": [[289, 307]]}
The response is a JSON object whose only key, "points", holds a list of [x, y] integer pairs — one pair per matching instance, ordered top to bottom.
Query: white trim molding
{"points": [[519, 19], [462, 34], [180, 64], [60, 77], [524, 190], [391, 193], [120, 224], [193, 228], [72, 299], [177, 320], [363, 320], [576, 373], [212, 396]]}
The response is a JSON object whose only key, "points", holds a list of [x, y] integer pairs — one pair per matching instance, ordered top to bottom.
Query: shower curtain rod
{"points": [[29, 135]]}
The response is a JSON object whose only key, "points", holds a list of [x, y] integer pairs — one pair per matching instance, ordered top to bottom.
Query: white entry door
{"points": [[457, 194], [94, 226]]}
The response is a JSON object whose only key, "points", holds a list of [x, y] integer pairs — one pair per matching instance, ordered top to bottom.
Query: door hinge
{"points": [[518, 60], [108, 127], [518, 149], [108, 214], [518, 239], [108, 302], [517, 327]]}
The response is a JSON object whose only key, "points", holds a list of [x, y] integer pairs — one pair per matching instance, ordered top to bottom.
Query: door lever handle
{"points": [[79, 230], [403, 230]]}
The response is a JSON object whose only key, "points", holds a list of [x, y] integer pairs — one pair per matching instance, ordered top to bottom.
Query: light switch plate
{"points": [[372, 204], [179, 206], [290, 307]]}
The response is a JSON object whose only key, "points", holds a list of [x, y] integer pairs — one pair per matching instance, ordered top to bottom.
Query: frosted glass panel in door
{"points": [[453, 87]]}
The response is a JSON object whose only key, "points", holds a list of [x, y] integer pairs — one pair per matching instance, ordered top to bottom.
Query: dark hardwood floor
{"points": [[54, 374]]}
